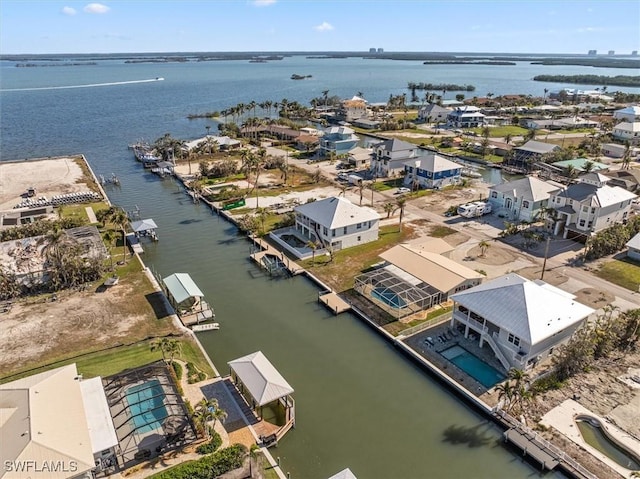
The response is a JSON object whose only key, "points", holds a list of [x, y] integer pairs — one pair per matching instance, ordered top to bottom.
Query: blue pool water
{"points": [[389, 297], [486, 375], [146, 405]]}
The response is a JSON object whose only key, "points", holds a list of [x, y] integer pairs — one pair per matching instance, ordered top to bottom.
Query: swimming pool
{"points": [[388, 297], [486, 375], [146, 405]]}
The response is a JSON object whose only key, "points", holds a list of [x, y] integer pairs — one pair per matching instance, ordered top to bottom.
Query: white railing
{"points": [[496, 349]]}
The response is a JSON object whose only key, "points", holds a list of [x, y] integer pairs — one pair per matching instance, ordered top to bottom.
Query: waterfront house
{"points": [[352, 109], [433, 113], [629, 114], [468, 116], [366, 123], [565, 123], [627, 131], [338, 140], [531, 152], [389, 157], [431, 171], [521, 200], [588, 206], [336, 223], [634, 247], [413, 279], [522, 321], [55, 418]]}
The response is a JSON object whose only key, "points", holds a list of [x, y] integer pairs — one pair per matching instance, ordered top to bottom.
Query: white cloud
{"points": [[263, 3], [96, 8], [69, 11], [323, 27], [589, 29]]}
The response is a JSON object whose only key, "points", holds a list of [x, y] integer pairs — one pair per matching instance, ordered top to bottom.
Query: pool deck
{"points": [[562, 417]]}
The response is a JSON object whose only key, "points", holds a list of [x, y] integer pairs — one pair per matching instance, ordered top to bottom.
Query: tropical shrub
{"points": [[211, 446], [212, 465]]}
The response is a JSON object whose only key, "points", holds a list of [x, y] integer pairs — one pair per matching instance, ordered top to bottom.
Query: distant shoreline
{"points": [[598, 61]]}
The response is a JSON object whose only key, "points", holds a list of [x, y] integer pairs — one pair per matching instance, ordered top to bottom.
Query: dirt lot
{"points": [[49, 177], [39, 331]]}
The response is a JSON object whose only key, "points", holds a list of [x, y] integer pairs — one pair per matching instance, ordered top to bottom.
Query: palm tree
{"points": [[325, 96], [544, 98], [507, 138], [626, 157], [588, 166], [570, 172], [401, 202], [388, 208], [262, 214], [119, 218], [484, 245], [313, 246], [167, 347], [506, 392], [219, 415], [201, 417]]}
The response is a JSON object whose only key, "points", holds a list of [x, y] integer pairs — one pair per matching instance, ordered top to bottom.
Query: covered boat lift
{"points": [[146, 227], [187, 299], [263, 387]]}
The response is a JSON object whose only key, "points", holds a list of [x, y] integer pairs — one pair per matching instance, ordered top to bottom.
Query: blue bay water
{"points": [[360, 403]]}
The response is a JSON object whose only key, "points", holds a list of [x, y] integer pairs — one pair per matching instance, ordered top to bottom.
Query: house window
{"points": [[494, 194], [525, 204], [581, 222], [359, 226], [344, 230], [325, 231], [333, 233], [359, 238], [515, 340]]}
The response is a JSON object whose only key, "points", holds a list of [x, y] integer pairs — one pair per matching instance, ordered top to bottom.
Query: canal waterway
{"points": [[360, 403]]}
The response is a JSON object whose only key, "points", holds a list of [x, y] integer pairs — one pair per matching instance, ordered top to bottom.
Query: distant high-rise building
{"points": [[372, 50], [380, 50], [593, 52], [612, 52], [634, 53]]}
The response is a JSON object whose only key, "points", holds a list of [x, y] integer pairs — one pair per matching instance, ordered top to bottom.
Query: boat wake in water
{"points": [[91, 85]]}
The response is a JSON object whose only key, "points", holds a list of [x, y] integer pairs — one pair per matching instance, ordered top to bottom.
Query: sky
{"points": [[514, 26]]}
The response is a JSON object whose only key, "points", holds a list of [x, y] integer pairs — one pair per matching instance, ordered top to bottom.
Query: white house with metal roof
{"points": [[629, 114], [467, 116], [627, 131], [531, 152], [432, 171], [521, 199], [588, 206], [337, 223], [634, 247], [522, 321], [53, 425]]}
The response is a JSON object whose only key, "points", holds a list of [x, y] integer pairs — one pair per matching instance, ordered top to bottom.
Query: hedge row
{"points": [[209, 466]]}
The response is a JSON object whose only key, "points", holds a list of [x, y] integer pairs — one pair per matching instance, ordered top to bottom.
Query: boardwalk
{"points": [[266, 249]]}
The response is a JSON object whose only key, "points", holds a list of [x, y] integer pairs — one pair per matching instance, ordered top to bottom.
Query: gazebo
{"points": [[145, 228], [186, 298], [263, 387]]}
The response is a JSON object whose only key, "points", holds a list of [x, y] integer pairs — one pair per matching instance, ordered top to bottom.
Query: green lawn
{"points": [[79, 211], [625, 273], [114, 360]]}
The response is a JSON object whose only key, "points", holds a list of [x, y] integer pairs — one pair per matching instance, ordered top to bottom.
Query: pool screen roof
{"points": [[181, 287], [261, 378]]}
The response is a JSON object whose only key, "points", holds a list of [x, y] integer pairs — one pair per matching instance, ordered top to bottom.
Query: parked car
{"points": [[402, 190]]}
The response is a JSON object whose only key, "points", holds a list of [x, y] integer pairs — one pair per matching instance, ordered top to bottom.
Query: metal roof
{"points": [[538, 147], [434, 163], [528, 188], [336, 212], [143, 225], [634, 242], [181, 287], [528, 309], [261, 378], [42, 417], [101, 429], [344, 474]]}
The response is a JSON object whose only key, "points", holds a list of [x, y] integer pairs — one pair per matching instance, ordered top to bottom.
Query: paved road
{"points": [[482, 229]]}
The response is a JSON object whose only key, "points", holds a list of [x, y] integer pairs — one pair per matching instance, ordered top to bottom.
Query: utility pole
{"points": [[546, 253]]}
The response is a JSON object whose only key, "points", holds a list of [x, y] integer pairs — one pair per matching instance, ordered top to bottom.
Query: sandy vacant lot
{"points": [[49, 177]]}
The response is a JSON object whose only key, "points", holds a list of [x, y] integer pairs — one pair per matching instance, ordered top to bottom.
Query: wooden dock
{"points": [[134, 242], [266, 249], [334, 302], [196, 328], [531, 448]]}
